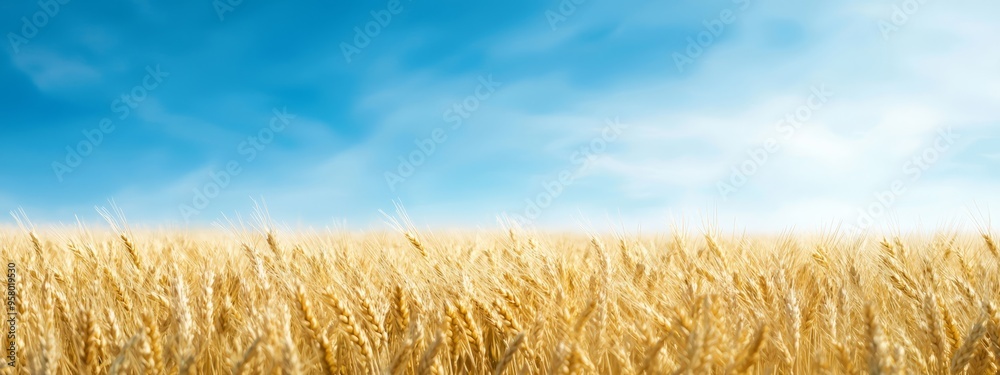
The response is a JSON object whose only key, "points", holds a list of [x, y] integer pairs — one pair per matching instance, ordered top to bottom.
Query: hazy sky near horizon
{"points": [[564, 114]]}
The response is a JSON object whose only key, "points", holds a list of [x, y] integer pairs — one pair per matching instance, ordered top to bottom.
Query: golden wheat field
{"points": [[505, 302]]}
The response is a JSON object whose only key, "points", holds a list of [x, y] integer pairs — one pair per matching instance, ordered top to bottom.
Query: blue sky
{"points": [[654, 110]]}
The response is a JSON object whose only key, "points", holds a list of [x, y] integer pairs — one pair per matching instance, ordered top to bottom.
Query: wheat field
{"points": [[505, 302]]}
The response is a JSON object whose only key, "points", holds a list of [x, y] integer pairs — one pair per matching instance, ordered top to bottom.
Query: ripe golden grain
{"points": [[412, 303]]}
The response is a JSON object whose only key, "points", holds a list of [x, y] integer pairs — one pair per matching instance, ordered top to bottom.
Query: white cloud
{"points": [[51, 71], [942, 77]]}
